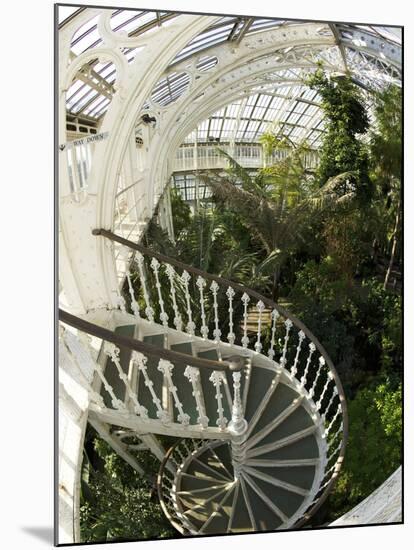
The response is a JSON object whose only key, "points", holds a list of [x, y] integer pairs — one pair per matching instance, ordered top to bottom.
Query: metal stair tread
{"points": [[260, 380], [278, 402], [298, 420], [305, 448], [224, 454], [199, 467], [302, 476], [286, 501], [265, 518], [219, 519], [241, 519]]}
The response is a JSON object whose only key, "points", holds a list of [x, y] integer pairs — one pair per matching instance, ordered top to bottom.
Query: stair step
{"points": [[111, 371], [260, 380], [279, 401], [298, 420], [305, 448], [224, 454], [199, 469], [300, 476], [287, 501], [265, 518], [241, 519], [218, 521]]}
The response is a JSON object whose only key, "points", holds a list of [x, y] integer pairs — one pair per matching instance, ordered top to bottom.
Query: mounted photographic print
{"points": [[229, 334]]}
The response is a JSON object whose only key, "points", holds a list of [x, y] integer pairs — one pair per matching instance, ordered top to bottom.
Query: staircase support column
{"points": [[238, 424]]}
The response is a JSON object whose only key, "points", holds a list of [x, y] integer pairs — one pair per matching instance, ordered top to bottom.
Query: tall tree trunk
{"points": [[394, 246]]}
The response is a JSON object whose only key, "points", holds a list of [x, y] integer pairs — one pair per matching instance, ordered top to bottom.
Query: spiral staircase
{"points": [[259, 416]]}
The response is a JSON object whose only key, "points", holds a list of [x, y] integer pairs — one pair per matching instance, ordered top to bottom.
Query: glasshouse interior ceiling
{"points": [[270, 95]]}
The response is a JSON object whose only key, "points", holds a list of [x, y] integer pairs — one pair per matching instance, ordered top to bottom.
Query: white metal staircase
{"points": [[259, 417]]}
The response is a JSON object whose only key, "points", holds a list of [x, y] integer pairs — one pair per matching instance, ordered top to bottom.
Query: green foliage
{"points": [[345, 118], [374, 445], [117, 503]]}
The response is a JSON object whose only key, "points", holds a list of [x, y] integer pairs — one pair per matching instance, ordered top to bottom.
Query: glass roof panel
{"points": [[278, 95]]}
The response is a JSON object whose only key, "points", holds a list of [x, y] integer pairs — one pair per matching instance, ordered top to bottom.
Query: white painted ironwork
{"points": [[155, 266], [141, 267], [201, 284], [230, 295], [245, 299], [134, 303], [260, 308], [274, 316], [178, 322], [288, 325], [190, 327], [216, 332], [312, 349], [113, 352], [141, 361], [166, 367], [294, 368], [193, 375], [217, 378]]}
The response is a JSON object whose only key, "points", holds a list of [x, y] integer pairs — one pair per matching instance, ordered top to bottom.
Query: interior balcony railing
{"points": [[203, 157]]}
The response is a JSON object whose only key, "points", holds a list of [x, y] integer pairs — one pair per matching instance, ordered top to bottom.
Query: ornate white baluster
{"points": [[155, 266], [201, 283], [230, 295], [134, 303], [260, 308], [148, 310], [274, 316], [178, 322], [288, 325], [190, 328], [216, 332], [245, 340], [312, 348], [113, 352], [141, 361], [166, 367], [294, 369], [318, 373], [193, 374], [217, 379], [328, 381], [116, 403], [329, 405], [238, 423], [329, 428], [338, 431]]}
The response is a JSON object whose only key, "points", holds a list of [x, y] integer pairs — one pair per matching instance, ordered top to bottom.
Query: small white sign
{"points": [[84, 141]]}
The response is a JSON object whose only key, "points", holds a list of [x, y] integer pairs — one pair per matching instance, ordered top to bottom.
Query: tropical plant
{"points": [[345, 119], [277, 210], [374, 446], [117, 503]]}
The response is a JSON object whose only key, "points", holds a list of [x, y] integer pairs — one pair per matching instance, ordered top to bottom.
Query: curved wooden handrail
{"points": [[273, 305], [137, 345]]}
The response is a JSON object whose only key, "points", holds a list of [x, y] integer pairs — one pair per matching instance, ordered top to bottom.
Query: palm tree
{"points": [[278, 203]]}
